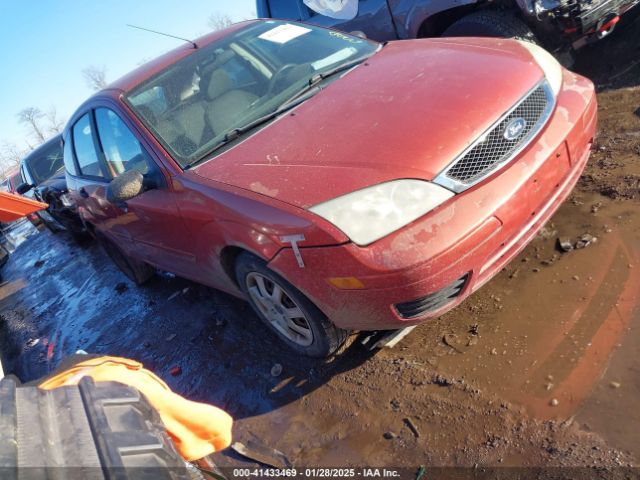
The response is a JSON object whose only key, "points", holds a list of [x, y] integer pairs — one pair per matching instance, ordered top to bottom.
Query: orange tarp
{"points": [[13, 206], [197, 429]]}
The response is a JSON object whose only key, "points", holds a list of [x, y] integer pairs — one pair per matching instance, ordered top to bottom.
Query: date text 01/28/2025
{"points": [[311, 473]]}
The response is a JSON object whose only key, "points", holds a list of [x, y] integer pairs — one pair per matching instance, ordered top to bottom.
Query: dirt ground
{"points": [[539, 368]]}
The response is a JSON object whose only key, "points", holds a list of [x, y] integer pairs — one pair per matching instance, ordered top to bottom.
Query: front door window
{"points": [[122, 150]]}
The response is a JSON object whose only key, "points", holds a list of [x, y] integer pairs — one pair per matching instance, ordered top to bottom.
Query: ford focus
{"points": [[335, 183]]}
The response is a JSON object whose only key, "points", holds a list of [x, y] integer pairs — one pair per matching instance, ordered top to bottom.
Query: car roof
{"points": [[151, 68]]}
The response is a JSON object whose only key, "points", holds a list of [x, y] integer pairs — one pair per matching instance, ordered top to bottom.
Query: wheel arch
{"points": [[436, 23], [228, 257]]}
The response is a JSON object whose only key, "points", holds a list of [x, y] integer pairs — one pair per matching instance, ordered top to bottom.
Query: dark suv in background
{"points": [[558, 25], [43, 177]]}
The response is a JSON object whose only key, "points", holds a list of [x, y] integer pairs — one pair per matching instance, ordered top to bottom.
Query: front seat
{"points": [[226, 105]]}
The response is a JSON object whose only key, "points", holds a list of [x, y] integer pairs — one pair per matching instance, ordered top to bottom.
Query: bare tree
{"points": [[218, 21], [95, 77], [32, 117], [55, 124], [10, 156]]}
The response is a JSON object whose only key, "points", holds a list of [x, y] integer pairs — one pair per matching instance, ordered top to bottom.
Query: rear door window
{"points": [[85, 148], [121, 148], [68, 157]]}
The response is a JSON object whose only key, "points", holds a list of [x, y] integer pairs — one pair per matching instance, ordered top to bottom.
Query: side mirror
{"points": [[359, 33], [124, 187], [23, 188]]}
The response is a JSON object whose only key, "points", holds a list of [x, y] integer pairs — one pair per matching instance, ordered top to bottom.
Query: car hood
{"points": [[405, 113], [57, 182]]}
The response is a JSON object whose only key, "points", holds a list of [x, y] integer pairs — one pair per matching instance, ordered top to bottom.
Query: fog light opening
{"points": [[346, 283]]}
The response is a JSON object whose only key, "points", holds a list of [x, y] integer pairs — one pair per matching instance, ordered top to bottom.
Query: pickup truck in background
{"points": [[558, 25]]}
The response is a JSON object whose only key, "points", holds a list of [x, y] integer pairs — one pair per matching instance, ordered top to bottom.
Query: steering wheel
{"points": [[278, 77]]}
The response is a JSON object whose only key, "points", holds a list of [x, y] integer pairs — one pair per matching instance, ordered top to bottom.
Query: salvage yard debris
{"points": [[586, 240], [565, 244], [451, 340], [412, 426], [258, 452]]}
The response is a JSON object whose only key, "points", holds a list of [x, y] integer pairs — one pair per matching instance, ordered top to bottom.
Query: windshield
{"points": [[192, 105], [45, 164]]}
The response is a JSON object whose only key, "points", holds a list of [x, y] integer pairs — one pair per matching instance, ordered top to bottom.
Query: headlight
{"points": [[549, 65], [66, 200], [374, 212]]}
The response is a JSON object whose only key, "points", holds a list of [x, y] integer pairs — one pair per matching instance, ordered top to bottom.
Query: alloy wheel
{"points": [[279, 309]]}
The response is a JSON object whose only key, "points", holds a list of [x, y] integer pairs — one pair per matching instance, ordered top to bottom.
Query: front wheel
{"points": [[491, 23], [286, 310]]}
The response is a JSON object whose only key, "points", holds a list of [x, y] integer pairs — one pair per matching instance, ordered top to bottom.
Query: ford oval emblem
{"points": [[515, 128]]}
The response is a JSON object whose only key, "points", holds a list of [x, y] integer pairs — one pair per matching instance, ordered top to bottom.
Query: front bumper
{"points": [[599, 20], [476, 233]]}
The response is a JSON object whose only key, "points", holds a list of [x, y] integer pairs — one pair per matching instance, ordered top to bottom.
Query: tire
{"points": [[491, 23], [76, 229], [137, 271], [320, 337]]}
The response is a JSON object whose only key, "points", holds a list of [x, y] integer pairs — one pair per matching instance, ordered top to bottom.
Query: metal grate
{"points": [[495, 148], [433, 301]]}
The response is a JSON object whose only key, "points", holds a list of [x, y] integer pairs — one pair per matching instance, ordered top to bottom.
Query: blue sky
{"points": [[47, 44]]}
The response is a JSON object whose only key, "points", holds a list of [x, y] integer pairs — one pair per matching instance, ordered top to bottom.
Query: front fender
{"points": [[409, 15]]}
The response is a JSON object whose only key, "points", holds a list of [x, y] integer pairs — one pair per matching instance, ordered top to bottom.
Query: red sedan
{"points": [[336, 183]]}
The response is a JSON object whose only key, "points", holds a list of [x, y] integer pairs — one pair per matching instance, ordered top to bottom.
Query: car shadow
{"points": [[207, 345]]}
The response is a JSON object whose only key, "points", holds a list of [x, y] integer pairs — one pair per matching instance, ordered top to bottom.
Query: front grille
{"points": [[494, 148], [433, 301]]}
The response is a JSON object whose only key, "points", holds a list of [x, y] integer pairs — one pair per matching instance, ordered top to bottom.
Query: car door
{"points": [[373, 17], [88, 179], [149, 226]]}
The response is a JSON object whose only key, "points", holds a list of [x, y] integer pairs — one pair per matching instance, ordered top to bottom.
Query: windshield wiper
{"points": [[316, 78], [310, 89], [235, 133]]}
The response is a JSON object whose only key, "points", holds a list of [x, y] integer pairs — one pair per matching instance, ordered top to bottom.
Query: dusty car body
{"points": [[556, 24], [43, 178], [381, 196]]}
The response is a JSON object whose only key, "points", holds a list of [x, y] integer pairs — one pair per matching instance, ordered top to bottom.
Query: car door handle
{"points": [[83, 193]]}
